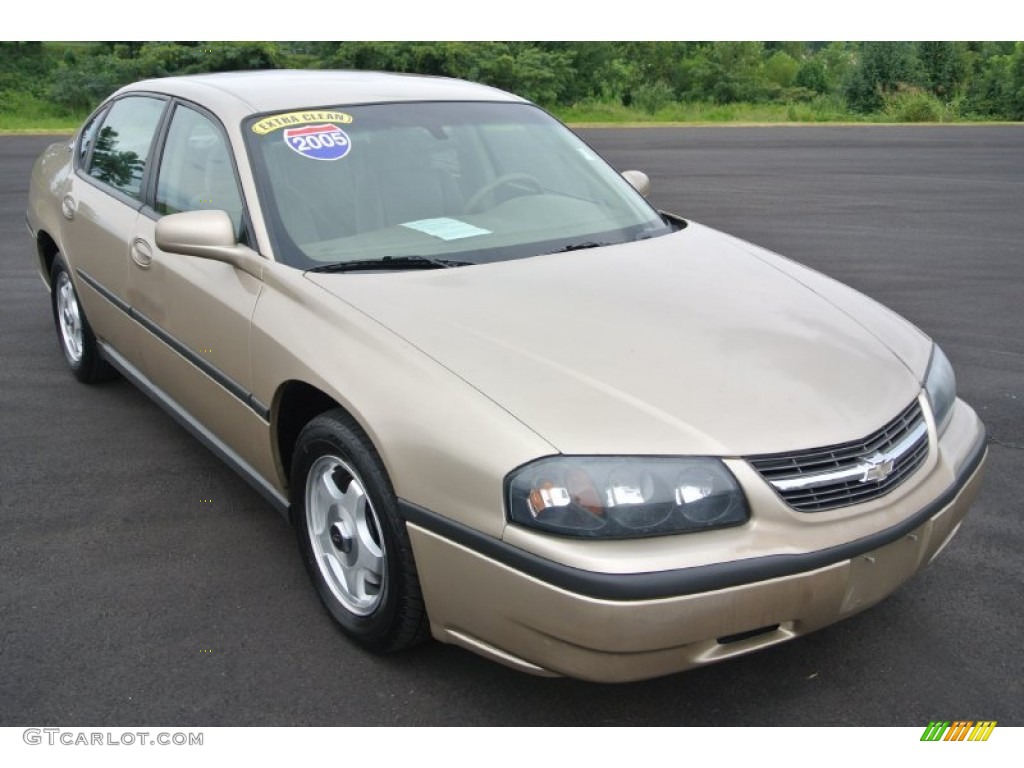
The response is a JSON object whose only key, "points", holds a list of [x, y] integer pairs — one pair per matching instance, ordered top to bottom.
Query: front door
{"points": [[197, 312]]}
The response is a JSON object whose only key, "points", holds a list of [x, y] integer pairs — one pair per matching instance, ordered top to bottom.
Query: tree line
{"points": [[906, 80]]}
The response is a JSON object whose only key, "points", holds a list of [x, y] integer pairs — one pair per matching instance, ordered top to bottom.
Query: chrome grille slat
{"points": [[826, 478]]}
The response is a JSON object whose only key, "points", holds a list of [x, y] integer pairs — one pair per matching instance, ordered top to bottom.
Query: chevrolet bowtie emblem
{"points": [[876, 469]]}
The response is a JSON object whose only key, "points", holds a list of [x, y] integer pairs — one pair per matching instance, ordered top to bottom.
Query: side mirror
{"points": [[639, 181], [207, 235]]}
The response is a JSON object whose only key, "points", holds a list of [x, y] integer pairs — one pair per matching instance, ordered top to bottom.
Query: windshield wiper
{"points": [[584, 244], [579, 246], [390, 263]]}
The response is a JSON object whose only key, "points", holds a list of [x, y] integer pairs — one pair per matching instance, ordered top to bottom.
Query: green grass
{"points": [[822, 109], [22, 113], [22, 124]]}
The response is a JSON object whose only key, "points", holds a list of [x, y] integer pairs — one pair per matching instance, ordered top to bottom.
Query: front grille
{"points": [[850, 473]]}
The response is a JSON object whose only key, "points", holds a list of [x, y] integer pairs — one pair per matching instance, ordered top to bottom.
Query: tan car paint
{"points": [[51, 178], [95, 239], [206, 305], [558, 341], [906, 341], [445, 446], [541, 629]]}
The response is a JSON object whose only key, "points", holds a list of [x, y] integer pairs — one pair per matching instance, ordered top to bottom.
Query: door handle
{"points": [[68, 206], [142, 254]]}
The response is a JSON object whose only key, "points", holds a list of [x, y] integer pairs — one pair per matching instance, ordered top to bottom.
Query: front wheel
{"points": [[74, 333], [353, 542]]}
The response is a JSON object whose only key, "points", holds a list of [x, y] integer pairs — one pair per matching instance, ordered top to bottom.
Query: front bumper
{"points": [[552, 620]]}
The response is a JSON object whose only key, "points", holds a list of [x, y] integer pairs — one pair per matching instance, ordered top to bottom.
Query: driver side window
{"points": [[196, 171]]}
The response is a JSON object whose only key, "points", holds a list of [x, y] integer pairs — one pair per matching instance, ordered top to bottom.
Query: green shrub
{"points": [[882, 68], [781, 69], [811, 76], [85, 78], [83, 82], [797, 93], [650, 97], [912, 105]]}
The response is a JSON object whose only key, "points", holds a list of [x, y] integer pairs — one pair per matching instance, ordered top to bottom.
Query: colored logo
{"points": [[287, 119], [320, 142], [958, 730]]}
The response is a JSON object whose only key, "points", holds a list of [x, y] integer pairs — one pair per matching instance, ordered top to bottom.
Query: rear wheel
{"points": [[74, 333], [353, 542]]}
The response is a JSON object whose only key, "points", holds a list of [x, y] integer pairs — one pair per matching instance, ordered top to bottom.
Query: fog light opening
{"points": [[741, 636]]}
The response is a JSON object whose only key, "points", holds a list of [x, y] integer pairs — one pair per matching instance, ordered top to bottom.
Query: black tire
{"points": [[74, 334], [353, 542]]}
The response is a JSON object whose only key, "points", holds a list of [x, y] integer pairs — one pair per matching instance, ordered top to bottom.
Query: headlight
{"points": [[940, 384], [624, 498]]}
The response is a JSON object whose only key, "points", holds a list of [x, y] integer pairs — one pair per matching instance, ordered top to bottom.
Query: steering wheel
{"points": [[524, 179]]}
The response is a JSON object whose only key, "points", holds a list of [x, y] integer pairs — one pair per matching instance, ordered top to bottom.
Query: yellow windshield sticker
{"points": [[289, 119]]}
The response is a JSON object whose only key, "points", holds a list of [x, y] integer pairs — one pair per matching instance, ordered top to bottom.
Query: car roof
{"points": [[235, 95]]}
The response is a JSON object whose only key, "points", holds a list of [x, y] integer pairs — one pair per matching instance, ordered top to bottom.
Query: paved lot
{"points": [[125, 600]]}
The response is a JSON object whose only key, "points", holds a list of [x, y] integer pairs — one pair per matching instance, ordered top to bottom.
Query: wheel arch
{"points": [[47, 250], [295, 404]]}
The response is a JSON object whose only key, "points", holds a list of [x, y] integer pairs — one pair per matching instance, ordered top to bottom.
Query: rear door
{"points": [[100, 209]]}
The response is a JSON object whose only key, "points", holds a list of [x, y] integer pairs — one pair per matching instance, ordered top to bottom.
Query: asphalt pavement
{"points": [[127, 599]]}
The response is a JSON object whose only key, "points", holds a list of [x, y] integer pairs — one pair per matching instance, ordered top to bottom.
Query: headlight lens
{"points": [[940, 385], [624, 498]]}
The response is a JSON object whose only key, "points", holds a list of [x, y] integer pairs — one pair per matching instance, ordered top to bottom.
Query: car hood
{"points": [[691, 343]]}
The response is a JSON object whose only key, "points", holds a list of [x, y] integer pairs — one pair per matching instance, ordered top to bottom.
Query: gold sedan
{"points": [[504, 401]]}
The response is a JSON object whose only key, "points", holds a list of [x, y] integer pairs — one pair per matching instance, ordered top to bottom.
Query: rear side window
{"points": [[121, 146]]}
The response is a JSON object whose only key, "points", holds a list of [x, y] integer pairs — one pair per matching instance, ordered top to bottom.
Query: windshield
{"points": [[459, 182]]}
